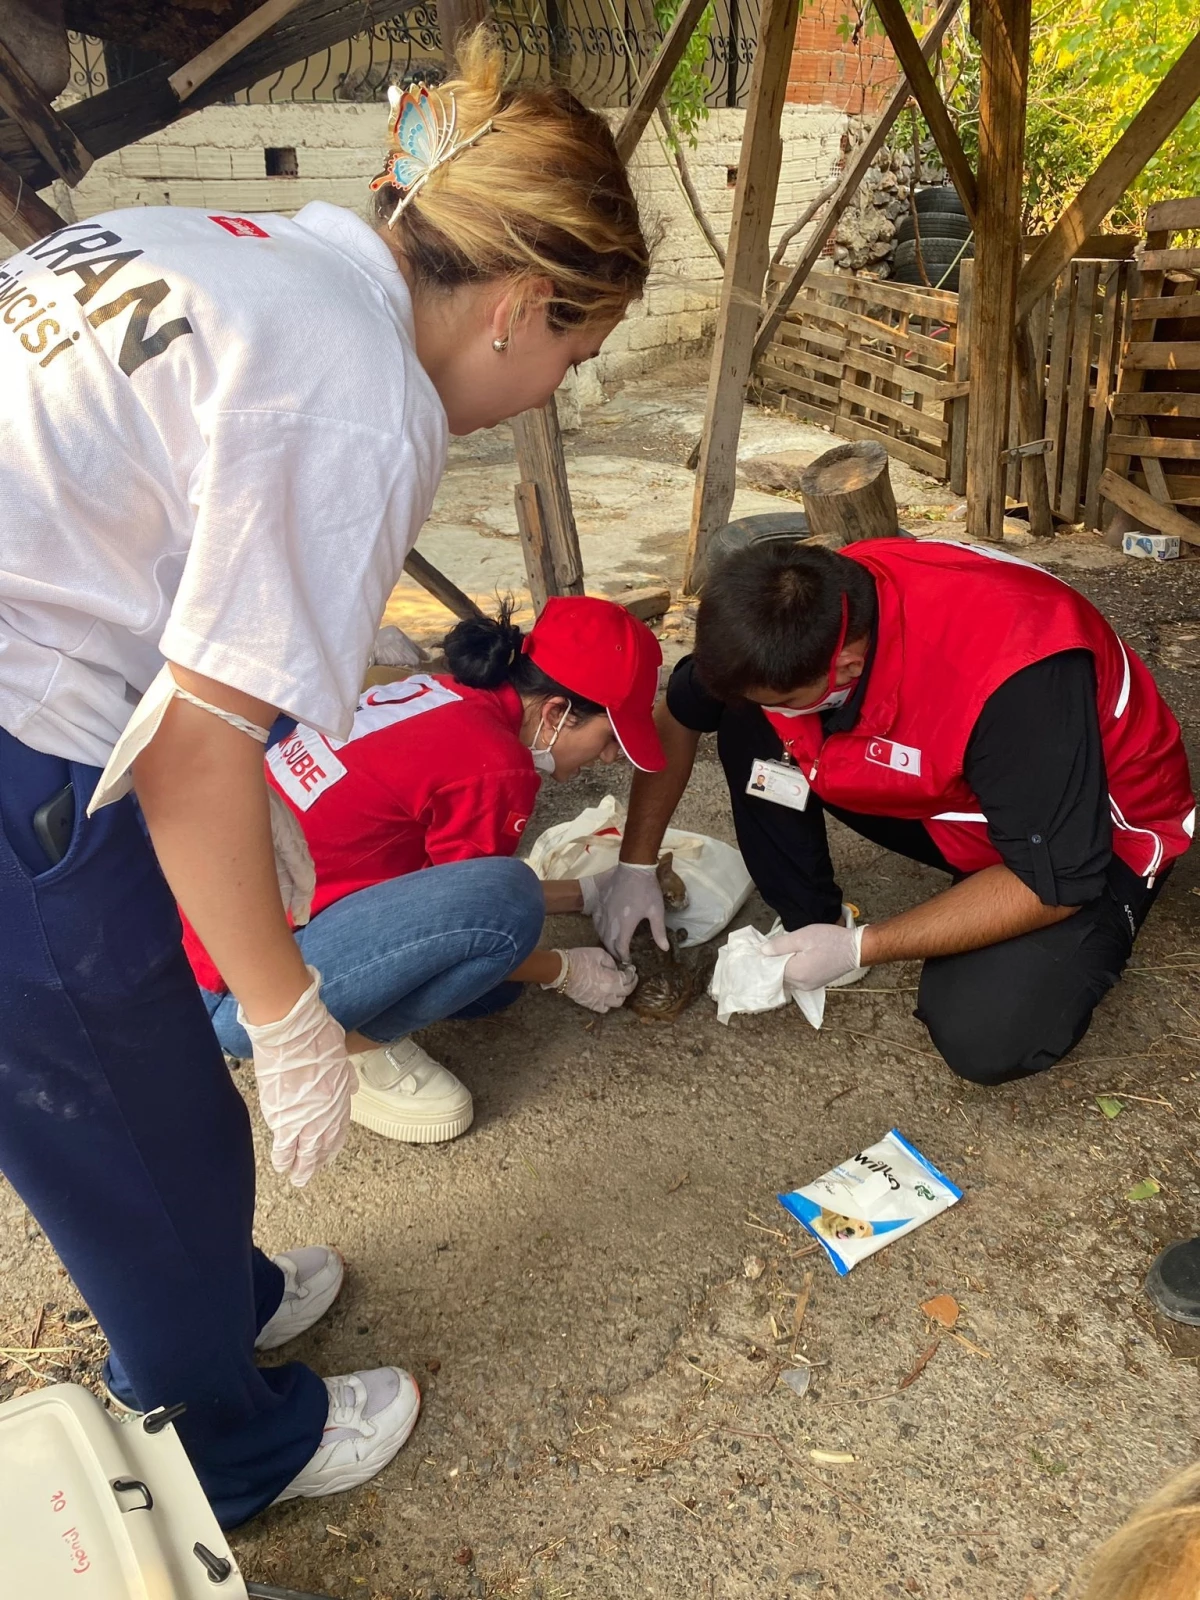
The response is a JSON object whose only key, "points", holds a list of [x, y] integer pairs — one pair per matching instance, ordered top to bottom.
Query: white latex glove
{"points": [[392, 648], [627, 895], [819, 954], [593, 979], [305, 1081]]}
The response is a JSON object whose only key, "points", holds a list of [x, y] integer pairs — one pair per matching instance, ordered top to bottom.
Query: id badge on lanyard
{"points": [[781, 782]]}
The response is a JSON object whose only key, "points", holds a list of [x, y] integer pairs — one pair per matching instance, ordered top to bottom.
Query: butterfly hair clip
{"points": [[426, 136]]}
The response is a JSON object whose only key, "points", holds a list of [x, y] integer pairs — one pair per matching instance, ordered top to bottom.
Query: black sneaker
{"points": [[1173, 1282]]}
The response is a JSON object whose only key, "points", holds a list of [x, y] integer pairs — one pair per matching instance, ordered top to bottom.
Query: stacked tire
{"points": [[942, 235]]}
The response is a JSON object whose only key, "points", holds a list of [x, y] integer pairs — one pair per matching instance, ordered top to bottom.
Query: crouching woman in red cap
{"points": [[419, 914]]}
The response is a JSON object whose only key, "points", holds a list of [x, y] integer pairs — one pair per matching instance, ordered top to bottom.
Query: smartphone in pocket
{"points": [[54, 823]]}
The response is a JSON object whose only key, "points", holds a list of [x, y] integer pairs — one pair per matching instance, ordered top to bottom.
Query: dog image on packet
{"points": [[870, 1199]]}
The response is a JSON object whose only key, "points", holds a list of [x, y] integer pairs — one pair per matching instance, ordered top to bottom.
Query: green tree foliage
{"points": [[1093, 64], [689, 83]]}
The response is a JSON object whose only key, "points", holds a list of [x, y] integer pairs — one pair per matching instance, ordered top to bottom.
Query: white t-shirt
{"points": [[217, 446]]}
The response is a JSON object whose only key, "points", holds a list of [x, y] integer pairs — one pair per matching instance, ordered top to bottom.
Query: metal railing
{"points": [[597, 48]]}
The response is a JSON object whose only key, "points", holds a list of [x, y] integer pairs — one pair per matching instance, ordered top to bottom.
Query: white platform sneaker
{"points": [[405, 1094], [312, 1281], [371, 1414]]}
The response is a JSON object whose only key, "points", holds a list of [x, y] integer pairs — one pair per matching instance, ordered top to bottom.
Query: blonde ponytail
{"points": [[543, 194]]}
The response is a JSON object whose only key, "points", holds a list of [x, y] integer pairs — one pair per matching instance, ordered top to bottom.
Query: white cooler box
{"points": [[103, 1509]]}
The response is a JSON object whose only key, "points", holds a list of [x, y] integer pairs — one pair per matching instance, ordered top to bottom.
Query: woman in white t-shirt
{"points": [[219, 436]]}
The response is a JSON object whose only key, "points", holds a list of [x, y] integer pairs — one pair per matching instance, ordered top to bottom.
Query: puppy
{"points": [[832, 1226]]}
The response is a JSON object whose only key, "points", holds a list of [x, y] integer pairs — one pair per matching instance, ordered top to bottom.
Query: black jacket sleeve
{"points": [[1036, 764]]}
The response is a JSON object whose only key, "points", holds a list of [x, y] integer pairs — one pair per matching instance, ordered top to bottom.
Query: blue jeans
{"points": [[414, 950], [121, 1129]]}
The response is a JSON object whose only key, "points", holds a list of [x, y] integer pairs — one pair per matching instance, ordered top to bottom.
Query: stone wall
{"points": [[218, 159]]}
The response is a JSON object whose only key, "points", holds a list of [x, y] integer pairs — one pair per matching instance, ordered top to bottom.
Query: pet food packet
{"points": [[871, 1199]]}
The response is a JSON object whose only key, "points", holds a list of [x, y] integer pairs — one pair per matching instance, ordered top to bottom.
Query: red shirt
{"points": [[955, 622], [432, 772]]}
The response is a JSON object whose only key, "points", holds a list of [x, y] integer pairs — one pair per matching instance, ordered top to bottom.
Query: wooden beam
{"points": [[456, 19], [200, 68], [1004, 77], [654, 83], [927, 95], [145, 104], [1158, 118], [46, 131], [856, 170], [24, 215], [745, 270], [1032, 415], [541, 460], [1146, 509], [539, 563], [439, 586]]}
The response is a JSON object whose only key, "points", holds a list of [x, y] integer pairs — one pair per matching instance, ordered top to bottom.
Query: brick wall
{"points": [[828, 70], [217, 160]]}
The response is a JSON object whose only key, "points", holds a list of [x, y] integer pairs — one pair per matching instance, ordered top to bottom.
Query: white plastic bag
{"points": [[714, 873], [746, 980], [886, 1190]]}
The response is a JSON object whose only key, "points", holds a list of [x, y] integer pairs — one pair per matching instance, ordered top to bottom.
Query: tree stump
{"points": [[848, 494]]}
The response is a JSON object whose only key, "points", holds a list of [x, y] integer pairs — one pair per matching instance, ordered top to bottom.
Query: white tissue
{"points": [[745, 979]]}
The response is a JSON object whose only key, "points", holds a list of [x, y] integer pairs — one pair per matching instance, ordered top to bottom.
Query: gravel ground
{"points": [[598, 1292]]}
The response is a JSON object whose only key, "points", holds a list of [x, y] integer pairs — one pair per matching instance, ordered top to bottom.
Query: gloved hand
{"points": [[392, 648], [626, 895], [819, 954], [593, 979], [305, 1081]]}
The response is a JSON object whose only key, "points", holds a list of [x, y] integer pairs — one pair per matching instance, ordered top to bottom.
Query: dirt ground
{"points": [[598, 1292]]}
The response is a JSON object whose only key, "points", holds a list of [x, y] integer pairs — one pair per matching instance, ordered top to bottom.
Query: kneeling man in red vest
{"points": [[958, 707]]}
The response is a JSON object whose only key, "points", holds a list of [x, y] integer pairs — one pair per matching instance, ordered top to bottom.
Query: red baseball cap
{"points": [[595, 648]]}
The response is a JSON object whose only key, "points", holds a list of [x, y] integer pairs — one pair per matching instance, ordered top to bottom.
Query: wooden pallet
{"points": [[870, 361], [1155, 440]]}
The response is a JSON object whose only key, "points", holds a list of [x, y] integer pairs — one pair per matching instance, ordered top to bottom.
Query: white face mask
{"points": [[829, 702], [543, 755]]}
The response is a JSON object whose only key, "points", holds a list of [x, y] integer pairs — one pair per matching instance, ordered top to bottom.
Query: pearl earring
{"points": [[499, 345]]}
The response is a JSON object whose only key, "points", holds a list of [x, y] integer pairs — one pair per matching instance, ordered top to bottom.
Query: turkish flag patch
{"points": [[240, 227], [900, 757], [515, 823]]}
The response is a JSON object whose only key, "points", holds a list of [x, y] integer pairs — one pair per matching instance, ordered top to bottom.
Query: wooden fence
{"points": [[871, 361]]}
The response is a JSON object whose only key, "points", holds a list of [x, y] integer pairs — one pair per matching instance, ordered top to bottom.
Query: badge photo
{"points": [[780, 782]]}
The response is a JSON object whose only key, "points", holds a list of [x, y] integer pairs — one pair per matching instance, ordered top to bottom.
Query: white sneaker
{"points": [[405, 1094], [312, 1281], [371, 1414]]}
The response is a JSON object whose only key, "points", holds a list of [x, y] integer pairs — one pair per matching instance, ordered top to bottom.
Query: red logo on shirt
{"points": [[241, 227], [514, 823]]}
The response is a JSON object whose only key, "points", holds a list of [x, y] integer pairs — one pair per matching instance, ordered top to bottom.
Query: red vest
{"points": [[955, 622]]}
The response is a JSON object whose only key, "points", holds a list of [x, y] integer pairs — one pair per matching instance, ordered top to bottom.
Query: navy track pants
{"points": [[122, 1131]]}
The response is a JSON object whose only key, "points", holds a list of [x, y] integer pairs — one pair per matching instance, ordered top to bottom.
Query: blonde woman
{"points": [[219, 437], [1156, 1555]]}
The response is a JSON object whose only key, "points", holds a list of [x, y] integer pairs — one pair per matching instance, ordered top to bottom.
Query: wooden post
{"points": [[456, 18], [1004, 74], [654, 85], [925, 92], [1160, 115], [51, 137], [856, 171], [24, 215], [745, 269], [960, 409], [1031, 411], [540, 460], [848, 494], [539, 564]]}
